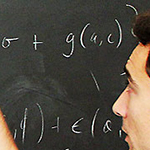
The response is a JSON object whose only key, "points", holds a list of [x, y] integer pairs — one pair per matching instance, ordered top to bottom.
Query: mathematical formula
{"points": [[70, 39], [6, 42], [73, 128]]}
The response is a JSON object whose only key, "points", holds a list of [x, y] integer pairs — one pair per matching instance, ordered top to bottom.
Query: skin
{"points": [[133, 105], [6, 139]]}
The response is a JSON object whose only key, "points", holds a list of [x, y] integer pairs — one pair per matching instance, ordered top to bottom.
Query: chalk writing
{"points": [[132, 7], [136, 12], [120, 32], [132, 32], [82, 35], [93, 38], [109, 39], [68, 40], [6, 41], [36, 42], [101, 42], [122, 74], [95, 81], [42, 118], [93, 122], [23, 125], [57, 126], [75, 126], [106, 127], [120, 133], [15, 134]]}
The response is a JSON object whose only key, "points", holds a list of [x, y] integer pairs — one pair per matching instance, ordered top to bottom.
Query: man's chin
{"points": [[127, 139], [131, 147]]}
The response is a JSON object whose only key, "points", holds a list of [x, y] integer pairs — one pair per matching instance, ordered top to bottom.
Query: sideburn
{"points": [[148, 64]]}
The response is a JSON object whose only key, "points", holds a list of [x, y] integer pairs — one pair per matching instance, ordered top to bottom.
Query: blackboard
{"points": [[61, 65]]}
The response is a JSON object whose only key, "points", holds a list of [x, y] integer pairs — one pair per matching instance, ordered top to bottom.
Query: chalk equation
{"points": [[70, 39], [6, 42], [74, 128]]}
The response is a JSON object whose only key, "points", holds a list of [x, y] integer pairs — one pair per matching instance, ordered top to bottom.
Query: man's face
{"points": [[133, 105]]}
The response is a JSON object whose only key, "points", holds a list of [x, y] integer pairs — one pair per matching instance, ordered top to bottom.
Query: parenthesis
{"points": [[136, 12], [120, 32], [132, 32], [82, 35], [42, 117], [93, 122]]}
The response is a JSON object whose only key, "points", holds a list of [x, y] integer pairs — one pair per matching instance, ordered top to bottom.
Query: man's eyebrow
{"points": [[128, 74]]}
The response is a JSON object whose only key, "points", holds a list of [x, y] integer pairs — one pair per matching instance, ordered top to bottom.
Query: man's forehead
{"points": [[140, 52], [136, 64]]}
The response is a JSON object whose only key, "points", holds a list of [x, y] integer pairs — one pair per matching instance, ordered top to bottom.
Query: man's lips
{"points": [[124, 130], [124, 133], [126, 137]]}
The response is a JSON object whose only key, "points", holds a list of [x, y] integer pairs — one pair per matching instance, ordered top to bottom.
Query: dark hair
{"points": [[141, 29]]}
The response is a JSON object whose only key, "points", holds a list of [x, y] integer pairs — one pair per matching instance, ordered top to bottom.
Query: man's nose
{"points": [[121, 105]]}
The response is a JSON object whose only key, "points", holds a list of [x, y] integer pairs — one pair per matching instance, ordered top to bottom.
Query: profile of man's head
{"points": [[133, 105]]}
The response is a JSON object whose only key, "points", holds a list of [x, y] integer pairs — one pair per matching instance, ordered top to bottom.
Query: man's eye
{"points": [[126, 82], [129, 88]]}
